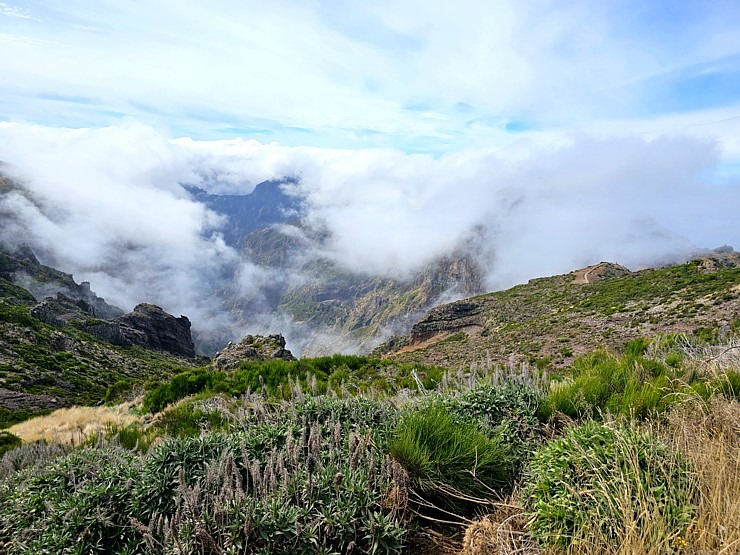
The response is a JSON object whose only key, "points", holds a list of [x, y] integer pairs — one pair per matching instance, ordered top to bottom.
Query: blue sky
{"points": [[422, 76]]}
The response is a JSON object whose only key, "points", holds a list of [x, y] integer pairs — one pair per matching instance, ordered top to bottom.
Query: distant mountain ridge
{"points": [[266, 205], [330, 307]]}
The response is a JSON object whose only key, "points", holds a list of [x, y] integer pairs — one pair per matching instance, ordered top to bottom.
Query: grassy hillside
{"points": [[551, 321], [43, 367]]}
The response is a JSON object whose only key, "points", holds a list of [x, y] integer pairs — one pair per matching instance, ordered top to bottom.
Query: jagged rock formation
{"points": [[61, 311], [147, 326], [152, 328], [252, 347]]}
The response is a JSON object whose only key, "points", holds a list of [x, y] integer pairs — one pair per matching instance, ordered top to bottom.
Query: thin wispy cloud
{"points": [[10, 10], [346, 74]]}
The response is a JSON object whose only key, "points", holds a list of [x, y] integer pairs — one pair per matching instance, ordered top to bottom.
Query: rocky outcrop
{"points": [[720, 258], [599, 272], [60, 311], [446, 318], [147, 326], [152, 328], [252, 347]]}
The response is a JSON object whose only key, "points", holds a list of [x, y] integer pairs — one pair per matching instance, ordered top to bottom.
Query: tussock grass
{"points": [[75, 424], [702, 441], [450, 460], [609, 485]]}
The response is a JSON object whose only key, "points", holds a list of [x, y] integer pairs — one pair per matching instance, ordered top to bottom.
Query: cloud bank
{"points": [[107, 205]]}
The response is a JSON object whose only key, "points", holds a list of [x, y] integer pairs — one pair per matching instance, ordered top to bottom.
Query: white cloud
{"points": [[14, 11], [113, 212]]}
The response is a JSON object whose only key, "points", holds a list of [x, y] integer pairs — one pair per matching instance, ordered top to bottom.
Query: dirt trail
{"points": [[582, 275]]}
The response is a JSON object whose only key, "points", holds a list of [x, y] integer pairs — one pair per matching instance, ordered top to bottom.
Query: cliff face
{"points": [[20, 266], [446, 318], [148, 326], [152, 328]]}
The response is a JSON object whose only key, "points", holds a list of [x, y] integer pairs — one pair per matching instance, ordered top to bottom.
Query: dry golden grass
{"points": [[75, 424], [710, 439], [503, 532]]}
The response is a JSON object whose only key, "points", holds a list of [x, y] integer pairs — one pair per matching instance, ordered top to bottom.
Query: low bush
{"points": [[276, 378], [511, 405], [192, 417], [8, 441], [287, 483], [603, 484], [77, 504]]}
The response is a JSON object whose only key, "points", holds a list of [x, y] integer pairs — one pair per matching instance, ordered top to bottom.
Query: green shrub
{"points": [[674, 359], [318, 375], [630, 385], [180, 386], [116, 392], [512, 406], [8, 417], [191, 418], [132, 437], [8, 441], [444, 454], [600, 483], [77, 504]]}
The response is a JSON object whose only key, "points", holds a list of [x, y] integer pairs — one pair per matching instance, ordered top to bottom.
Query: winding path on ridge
{"points": [[582, 274]]}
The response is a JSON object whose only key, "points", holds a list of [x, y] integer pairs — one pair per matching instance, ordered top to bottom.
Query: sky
{"points": [[425, 76], [570, 132]]}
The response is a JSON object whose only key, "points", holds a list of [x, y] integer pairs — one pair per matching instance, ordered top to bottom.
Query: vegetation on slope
{"points": [[552, 321], [43, 367], [276, 378], [584, 448], [318, 472]]}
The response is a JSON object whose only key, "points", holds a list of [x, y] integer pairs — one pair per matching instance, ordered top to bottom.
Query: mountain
{"points": [[271, 202], [327, 306], [332, 308], [550, 321], [68, 349]]}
